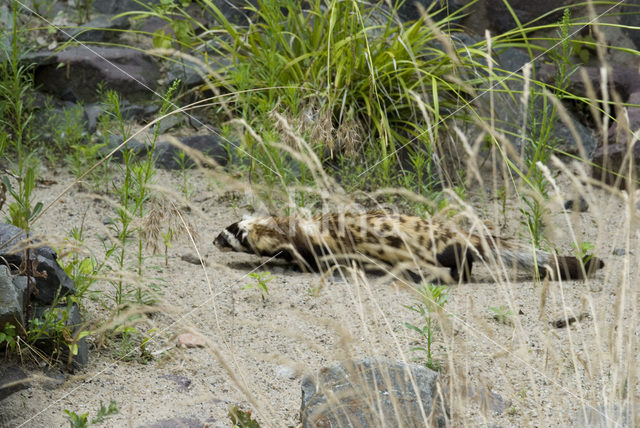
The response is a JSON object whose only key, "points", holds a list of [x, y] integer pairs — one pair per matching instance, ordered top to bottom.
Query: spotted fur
{"points": [[414, 244]]}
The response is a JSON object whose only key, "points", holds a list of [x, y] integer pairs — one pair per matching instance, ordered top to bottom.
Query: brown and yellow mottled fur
{"points": [[435, 248]]}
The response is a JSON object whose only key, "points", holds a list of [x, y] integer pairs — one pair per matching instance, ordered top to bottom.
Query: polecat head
{"points": [[233, 238]]}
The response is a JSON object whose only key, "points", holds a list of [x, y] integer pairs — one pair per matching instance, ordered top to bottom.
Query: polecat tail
{"points": [[547, 264]]}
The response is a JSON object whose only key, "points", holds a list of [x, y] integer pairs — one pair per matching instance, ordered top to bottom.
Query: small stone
{"points": [[577, 204], [619, 251], [192, 258], [190, 340], [285, 372], [184, 383], [175, 422]]}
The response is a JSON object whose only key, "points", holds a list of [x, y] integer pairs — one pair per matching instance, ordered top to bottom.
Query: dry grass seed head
{"points": [[163, 221]]}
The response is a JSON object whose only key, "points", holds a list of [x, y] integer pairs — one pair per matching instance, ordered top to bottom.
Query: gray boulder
{"points": [[102, 28], [132, 73], [50, 280], [12, 299], [12, 380], [368, 392]]}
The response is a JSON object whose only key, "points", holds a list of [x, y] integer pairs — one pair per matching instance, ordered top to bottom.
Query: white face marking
{"points": [[233, 241]]}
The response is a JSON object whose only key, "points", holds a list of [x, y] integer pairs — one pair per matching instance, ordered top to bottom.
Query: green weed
{"points": [[261, 281], [429, 298], [502, 314], [82, 421]]}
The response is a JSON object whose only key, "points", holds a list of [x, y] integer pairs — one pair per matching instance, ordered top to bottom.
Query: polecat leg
{"points": [[459, 259]]}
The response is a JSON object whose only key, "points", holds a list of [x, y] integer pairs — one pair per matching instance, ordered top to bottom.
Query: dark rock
{"points": [[118, 6], [437, 9], [235, 11], [501, 19], [630, 19], [102, 28], [513, 59], [187, 72], [131, 73], [622, 80], [138, 112], [60, 121], [508, 121], [170, 122], [211, 145], [135, 146], [611, 151], [611, 158], [578, 204], [54, 282], [12, 300], [73, 321], [54, 378], [12, 380], [184, 383], [368, 392], [175, 423]]}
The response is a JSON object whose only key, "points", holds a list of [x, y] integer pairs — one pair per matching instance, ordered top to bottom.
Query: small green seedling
{"points": [[583, 250], [261, 278], [430, 297], [502, 314], [8, 335], [242, 418], [82, 421]]}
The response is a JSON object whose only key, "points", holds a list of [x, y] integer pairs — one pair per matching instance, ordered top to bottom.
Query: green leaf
{"points": [[160, 40]]}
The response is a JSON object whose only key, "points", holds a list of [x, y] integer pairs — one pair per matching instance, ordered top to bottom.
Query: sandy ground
{"points": [[258, 350]]}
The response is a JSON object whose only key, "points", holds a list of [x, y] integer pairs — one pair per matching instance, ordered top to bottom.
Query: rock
{"points": [[119, 6], [437, 9], [501, 19], [630, 19], [101, 28], [513, 59], [186, 72], [131, 73], [621, 79], [138, 112], [91, 113], [509, 121], [170, 122], [211, 145], [138, 148], [609, 154], [611, 166], [578, 204], [619, 252], [193, 259], [55, 282], [12, 300], [73, 321], [190, 340], [285, 372], [12, 380], [184, 383], [368, 392], [176, 423]]}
